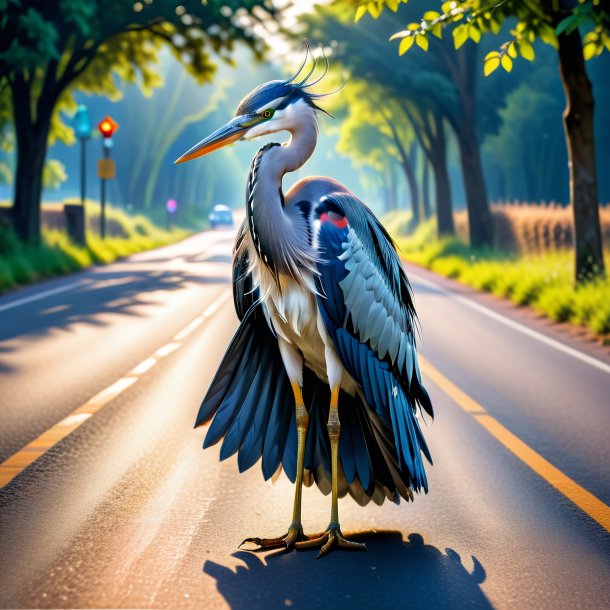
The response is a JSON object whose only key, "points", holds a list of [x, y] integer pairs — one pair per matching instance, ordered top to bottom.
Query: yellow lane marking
{"points": [[462, 399], [17, 462], [584, 499]]}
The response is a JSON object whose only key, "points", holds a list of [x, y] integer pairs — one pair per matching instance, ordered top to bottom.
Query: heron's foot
{"points": [[332, 538], [288, 541]]}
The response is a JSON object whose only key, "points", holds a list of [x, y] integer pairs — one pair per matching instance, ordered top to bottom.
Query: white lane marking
{"points": [[40, 295], [215, 306], [188, 329], [534, 334], [167, 349], [143, 367], [107, 394], [74, 420], [20, 460]]}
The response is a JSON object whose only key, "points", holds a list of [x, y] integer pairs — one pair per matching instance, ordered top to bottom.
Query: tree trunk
{"points": [[578, 125], [31, 153], [426, 187], [442, 187], [442, 191], [413, 192], [479, 215], [480, 224]]}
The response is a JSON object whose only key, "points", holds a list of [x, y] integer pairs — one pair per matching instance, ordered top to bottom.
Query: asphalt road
{"points": [[127, 511]]}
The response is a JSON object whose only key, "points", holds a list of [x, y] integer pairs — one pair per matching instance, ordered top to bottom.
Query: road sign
{"points": [[108, 126], [106, 169]]}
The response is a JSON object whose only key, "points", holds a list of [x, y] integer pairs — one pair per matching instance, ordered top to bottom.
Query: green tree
{"points": [[557, 23], [50, 49], [406, 97], [456, 102], [370, 135], [530, 144], [53, 174]]}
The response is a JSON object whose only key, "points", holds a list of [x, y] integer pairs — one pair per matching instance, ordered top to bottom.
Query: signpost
{"points": [[106, 168], [171, 206], [75, 214]]}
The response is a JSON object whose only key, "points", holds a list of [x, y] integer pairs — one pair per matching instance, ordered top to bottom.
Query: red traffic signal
{"points": [[108, 127]]}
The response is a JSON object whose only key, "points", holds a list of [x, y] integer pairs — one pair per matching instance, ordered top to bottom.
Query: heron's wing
{"points": [[244, 292], [377, 303], [367, 310], [250, 400]]}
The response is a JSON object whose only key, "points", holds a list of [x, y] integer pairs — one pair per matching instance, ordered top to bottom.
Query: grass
{"points": [[22, 264], [541, 281]]}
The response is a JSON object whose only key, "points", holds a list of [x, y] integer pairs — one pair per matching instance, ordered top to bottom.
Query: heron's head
{"points": [[278, 105]]}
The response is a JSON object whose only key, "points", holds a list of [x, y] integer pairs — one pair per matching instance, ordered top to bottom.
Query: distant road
{"points": [[101, 375]]}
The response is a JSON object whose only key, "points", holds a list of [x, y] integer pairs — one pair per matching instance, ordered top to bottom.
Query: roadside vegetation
{"points": [[22, 263], [542, 278]]}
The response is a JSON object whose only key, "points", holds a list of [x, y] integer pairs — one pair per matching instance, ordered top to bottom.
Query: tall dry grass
{"points": [[530, 229]]}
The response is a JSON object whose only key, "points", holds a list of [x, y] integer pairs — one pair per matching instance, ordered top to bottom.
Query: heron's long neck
{"points": [[279, 237]]}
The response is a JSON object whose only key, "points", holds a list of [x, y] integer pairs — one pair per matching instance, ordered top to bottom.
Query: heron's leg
{"points": [[295, 531], [332, 537]]}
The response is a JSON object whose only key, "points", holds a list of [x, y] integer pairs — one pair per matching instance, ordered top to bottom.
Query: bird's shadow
{"points": [[394, 574]]}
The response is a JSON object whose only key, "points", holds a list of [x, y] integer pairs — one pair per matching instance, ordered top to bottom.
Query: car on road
{"points": [[221, 216]]}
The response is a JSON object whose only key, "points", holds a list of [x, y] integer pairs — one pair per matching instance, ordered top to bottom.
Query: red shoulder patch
{"points": [[338, 220]]}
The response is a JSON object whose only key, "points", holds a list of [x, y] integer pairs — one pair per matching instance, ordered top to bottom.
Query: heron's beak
{"points": [[230, 132]]}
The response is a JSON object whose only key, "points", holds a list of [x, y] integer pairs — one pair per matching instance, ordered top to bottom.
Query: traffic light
{"points": [[108, 126]]}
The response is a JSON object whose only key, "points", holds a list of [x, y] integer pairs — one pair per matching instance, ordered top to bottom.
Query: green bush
{"points": [[22, 264], [544, 282]]}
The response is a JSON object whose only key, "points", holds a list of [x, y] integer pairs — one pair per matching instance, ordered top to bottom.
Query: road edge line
{"points": [[522, 328]]}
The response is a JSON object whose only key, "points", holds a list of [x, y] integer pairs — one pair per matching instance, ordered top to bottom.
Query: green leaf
{"points": [[373, 9], [360, 13], [431, 15], [570, 23], [437, 30], [474, 33], [460, 35], [548, 36], [422, 41], [405, 45], [526, 49], [590, 50], [512, 51], [491, 62], [506, 62]]}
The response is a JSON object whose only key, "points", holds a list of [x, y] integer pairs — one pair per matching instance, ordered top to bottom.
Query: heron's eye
{"points": [[267, 114]]}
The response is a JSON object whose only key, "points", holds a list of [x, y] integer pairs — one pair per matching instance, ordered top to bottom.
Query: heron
{"points": [[321, 379]]}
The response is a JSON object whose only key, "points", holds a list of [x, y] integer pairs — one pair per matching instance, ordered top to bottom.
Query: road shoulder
{"points": [[574, 336]]}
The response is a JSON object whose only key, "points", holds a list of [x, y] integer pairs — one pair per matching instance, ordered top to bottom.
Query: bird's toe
{"points": [[331, 539], [288, 540]]}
